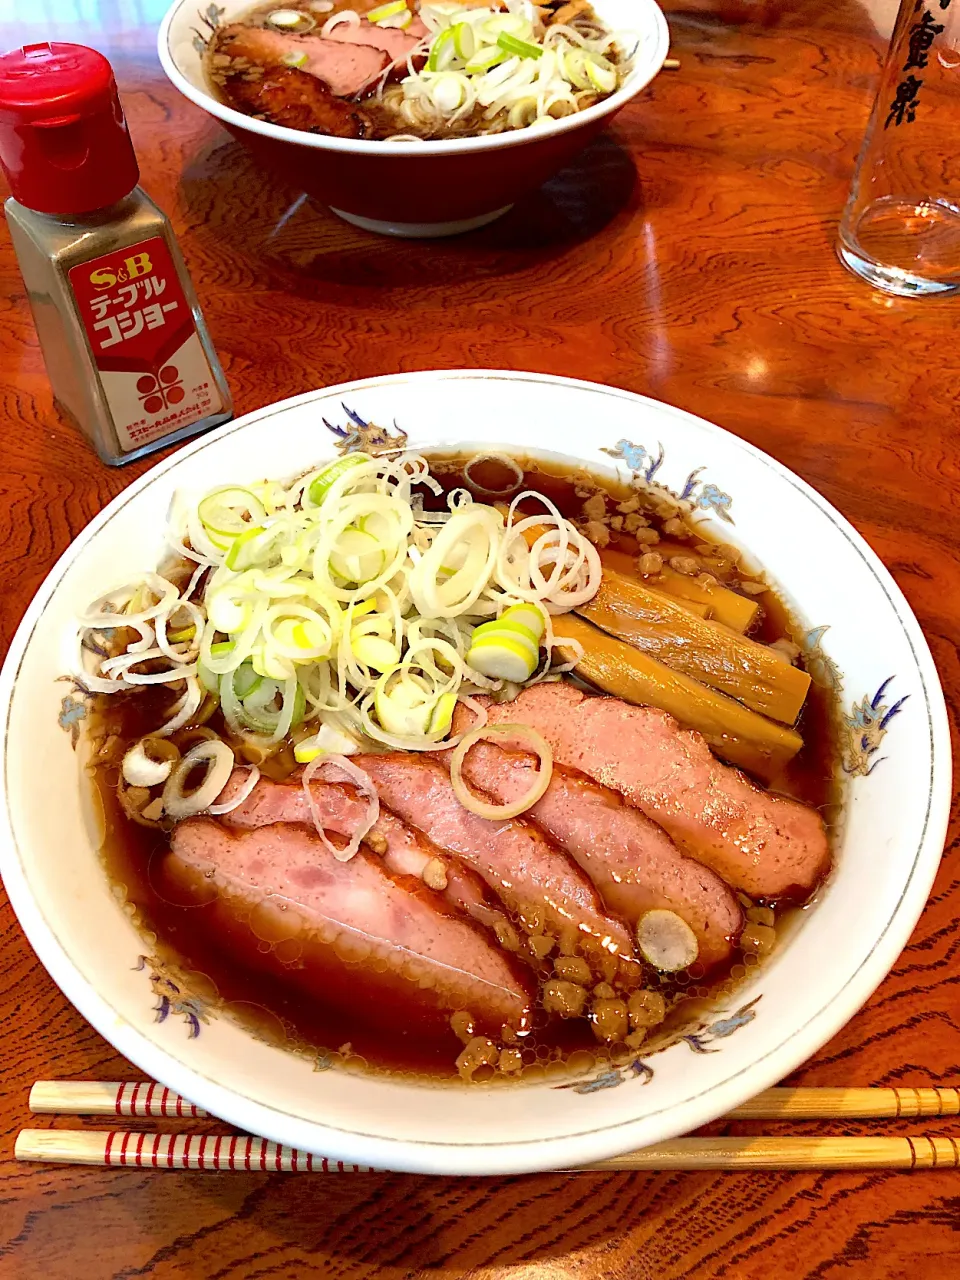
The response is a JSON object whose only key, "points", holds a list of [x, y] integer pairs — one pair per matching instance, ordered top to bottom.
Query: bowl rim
{"points": [[642, 73], [525, 1155]]}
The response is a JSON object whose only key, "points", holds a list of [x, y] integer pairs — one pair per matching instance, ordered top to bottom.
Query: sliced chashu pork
{"points": [[396, 44], [346, 68], [295, 100], [767, 845], [405, 851], [514, 858], [634, 864], [366, 935]]}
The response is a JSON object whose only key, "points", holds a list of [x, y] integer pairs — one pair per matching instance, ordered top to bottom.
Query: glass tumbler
{"points": [[900, 229]]}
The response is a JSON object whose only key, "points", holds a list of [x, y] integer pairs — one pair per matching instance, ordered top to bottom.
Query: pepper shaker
{"points": [[122, 336]]}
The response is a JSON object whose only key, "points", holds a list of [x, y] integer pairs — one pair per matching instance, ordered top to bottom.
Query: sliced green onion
{"points": [[386, 11], [291, 20], [509, 23], [464, 40], [522, 48], [442, 51], [293, 58], [484, 60], [572, 64], [600, 77], [447, 93], [523, 112], [321, 484], [229, 511], [243, 549], [357, 556], [335, 596], [364, 606], [230, 612], [527, 615], [506, 626], [309, 634], [375, 652], [502, 657], [271, 665], [208, 678], [246, 680], [409, 705], [442, 717], [330, 739], [530, 741], [666, 940]]}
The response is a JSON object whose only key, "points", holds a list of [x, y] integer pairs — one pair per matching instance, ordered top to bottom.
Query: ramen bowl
{"points": [[412, 188], [860, 639]]}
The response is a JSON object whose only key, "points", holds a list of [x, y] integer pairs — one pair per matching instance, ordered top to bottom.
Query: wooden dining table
{"points": [[687, 254]]}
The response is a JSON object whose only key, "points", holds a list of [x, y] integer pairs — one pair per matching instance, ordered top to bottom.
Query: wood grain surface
{"points": [[688, 255]]}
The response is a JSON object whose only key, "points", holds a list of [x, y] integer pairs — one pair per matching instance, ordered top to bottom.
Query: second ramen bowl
{"points": [[413, 189]]}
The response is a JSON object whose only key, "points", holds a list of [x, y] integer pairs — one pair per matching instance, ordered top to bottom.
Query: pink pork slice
{"points": [[394, 42], [346, 69], [341, 811], [767, 845], [514, 858], [634, 864], [355, 911]]}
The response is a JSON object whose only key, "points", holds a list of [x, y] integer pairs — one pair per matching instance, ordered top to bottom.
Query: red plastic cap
{"points": [[64, 144]]}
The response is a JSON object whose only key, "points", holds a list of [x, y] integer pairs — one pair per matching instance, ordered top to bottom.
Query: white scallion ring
{"points": [[501, 735], [218, 758], [364, 785]]}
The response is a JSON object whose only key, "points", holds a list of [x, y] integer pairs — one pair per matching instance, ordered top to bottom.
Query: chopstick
{"points": [[110, 1098], [147, 1099], [849, 1104], [128, 1149], [171, 1151], [222, 1152], [918, 1152]]}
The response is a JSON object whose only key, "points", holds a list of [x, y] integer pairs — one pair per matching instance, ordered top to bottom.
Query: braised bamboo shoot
{"points": [[726, 606], [733, 610], [755, 674], [733, 731]]}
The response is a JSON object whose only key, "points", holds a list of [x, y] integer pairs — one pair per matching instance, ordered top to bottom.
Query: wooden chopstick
{"points": [[109, 1098], [113, 1098], [848, 1104], [171, 1151], [223, 1152], [918, 1152]]}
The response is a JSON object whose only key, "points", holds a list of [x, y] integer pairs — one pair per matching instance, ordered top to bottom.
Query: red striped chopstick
{"points": [[110, 1098], [149, 1100], [172, 1151], [242, 1152], [212, 1153]]}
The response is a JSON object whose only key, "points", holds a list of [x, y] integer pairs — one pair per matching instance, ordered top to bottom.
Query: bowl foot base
{"points": [[421, 230]]}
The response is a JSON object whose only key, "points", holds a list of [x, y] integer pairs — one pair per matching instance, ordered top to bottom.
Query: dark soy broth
{"points": [[263, 978]]}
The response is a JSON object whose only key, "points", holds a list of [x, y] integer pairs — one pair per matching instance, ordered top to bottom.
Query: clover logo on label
{"points": [[162, 392]]}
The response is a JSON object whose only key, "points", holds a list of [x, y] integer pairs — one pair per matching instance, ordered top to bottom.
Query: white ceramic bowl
{"points": [[411, 188], [860, 632]]}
